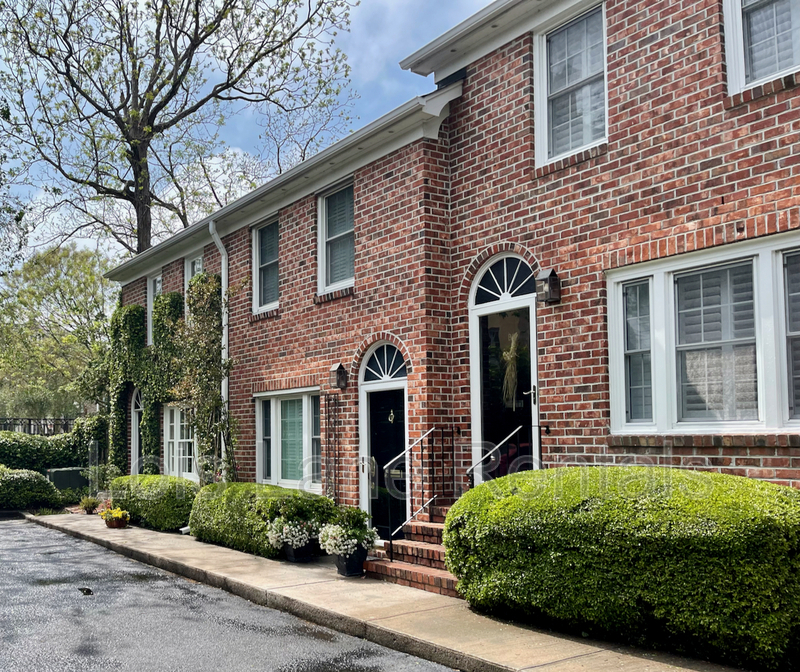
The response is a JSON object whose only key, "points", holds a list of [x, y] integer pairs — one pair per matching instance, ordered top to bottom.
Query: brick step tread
{"points": [[438, 513], [421, 531], [415, 552], [427, 578]]}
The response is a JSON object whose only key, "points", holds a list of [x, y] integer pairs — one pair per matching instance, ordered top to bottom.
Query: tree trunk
{"points": [[141, 195]]}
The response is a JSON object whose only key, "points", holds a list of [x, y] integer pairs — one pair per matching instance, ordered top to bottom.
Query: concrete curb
{"points": [[347, 625]]}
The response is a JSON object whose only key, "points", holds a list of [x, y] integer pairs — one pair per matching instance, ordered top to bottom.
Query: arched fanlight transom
{"points": [[506, 278], [386, 363], [137, 401]]}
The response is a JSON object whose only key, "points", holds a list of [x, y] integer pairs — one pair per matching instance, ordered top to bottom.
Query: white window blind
{"points": [[771, 37], [576, 84], [339, 236], [268, 264], [792, 268], [716, 351], [638, 376], [266, 439], [292, 439], [316, 442]]}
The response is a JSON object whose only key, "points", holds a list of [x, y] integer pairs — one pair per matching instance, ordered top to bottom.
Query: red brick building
{"points": [[647, 153]]}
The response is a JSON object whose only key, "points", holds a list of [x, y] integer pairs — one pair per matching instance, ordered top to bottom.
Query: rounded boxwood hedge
{"points": [[26, 489], [159, 502], [237, 515], [702, 563]]}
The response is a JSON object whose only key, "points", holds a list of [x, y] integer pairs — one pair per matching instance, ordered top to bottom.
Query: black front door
{"points": [[387, 438]]}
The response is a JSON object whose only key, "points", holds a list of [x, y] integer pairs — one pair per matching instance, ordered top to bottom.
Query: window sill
{"points": [[762, 90], [572, 160], [332, 296], [265, 315], [729, 439]]}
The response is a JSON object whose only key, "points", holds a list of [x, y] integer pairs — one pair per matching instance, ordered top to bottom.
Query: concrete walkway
{"points": [[437, 628]]}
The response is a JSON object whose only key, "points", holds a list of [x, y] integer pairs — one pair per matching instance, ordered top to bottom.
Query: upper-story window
{"points": [[762, 40], [571, 87], [336, 240], [265, 262], [193, 266], [153, 290], [707, 342]]}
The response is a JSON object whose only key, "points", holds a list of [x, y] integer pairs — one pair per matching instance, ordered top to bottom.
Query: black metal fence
{"points": [[40, 426]]}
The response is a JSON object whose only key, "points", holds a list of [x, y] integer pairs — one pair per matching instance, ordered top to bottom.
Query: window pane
{"points": [[772, 37], [339, 212], [267, 244], [341, 259], [792, 263], [268, 284], [717, 307], [639, 387], [266, 437], [292, 439], [316, 442]]}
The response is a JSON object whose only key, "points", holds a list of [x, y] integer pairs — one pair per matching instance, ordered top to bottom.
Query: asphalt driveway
{"points": [[67, 604]]}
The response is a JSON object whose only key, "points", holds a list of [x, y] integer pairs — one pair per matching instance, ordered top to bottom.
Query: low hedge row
{"points": [[40, 453], [25, 489], [158, 502], [237, 515], [702, 563]]}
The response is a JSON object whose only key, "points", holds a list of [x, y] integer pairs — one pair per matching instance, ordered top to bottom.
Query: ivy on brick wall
{"points": [[183, 366]]}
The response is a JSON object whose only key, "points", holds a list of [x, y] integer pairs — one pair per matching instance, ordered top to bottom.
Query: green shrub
{"points": [[40, 453], [25, 489], [70, 496], [159, 502], [238, 515], [699, 562]]}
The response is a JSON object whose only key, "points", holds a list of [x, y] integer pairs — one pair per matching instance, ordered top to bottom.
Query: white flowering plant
{"points": [[349, 531], [294, 533]]}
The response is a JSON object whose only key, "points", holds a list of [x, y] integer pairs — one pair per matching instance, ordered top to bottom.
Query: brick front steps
{"points": [[418, 559]]}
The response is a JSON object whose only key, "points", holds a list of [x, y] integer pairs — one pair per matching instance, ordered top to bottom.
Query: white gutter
{"points": [[223, 259]]}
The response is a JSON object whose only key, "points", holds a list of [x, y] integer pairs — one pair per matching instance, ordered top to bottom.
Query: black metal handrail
{"points": [[477, 463]]}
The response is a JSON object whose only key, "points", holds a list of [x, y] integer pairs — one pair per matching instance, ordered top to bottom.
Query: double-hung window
{"points": [[762, 40], [571, 87], [336, 240], [153, 290], [266, 293], [707, 342], [288, 438], [179, 445]]}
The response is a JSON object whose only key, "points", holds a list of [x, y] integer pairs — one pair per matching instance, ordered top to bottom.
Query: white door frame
{"points": [[504, 304], [364, 389], [136, 433]]}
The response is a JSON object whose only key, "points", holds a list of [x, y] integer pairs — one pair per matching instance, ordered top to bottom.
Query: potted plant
{"points": [[89, 504], [115, 517], [296, 529], [349, 538]]}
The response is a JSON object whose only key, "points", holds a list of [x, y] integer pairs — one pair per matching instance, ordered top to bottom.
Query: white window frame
{"points": [[571, 11], [734, 52], [322, 240], [255, 265], [187, 267], [150, 298], [771, 347], [172, 454], [306, 483]]}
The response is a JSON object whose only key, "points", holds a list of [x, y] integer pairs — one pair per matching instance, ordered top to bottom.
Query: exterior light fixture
{"points": [[548, 287], [338, 376]]}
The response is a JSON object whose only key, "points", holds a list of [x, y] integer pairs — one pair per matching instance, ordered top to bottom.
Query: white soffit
{"points": [[482, 33]]}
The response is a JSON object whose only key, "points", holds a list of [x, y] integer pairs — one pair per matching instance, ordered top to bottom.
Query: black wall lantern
{"points": [[548, 287], [338, 376]]}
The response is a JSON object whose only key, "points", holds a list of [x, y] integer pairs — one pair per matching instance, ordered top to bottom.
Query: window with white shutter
{"points": [[337, 240], [792, 279], [716, 344]]}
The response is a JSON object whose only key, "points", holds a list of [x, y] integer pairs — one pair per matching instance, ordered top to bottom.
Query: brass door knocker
{"points": [[391, 416]]}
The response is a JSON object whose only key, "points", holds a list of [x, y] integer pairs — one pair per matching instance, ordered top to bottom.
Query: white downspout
{"points": [[223, 254]]}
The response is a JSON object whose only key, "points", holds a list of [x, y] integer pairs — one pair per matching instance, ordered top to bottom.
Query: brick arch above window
{"points": [[478, 264], [366, 347]]}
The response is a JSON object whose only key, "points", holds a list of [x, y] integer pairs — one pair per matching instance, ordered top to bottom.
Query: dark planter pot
{"points": [[117, 523], [302, 554], [352, 565]]}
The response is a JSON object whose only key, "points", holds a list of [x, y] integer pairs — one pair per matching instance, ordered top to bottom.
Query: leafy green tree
{"points": [[115, 104], [13, 232], [53, 324]]}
